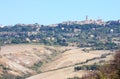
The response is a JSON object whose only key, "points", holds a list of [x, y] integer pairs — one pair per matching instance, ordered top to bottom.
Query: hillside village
{"points": [[86, 21], [73, 33], [59, 49]]}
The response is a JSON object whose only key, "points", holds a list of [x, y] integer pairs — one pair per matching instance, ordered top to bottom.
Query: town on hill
{"points": [[87, 33], [70, 48]]}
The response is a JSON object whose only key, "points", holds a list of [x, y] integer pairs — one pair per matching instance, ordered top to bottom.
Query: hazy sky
{"points": [[55, 11]]}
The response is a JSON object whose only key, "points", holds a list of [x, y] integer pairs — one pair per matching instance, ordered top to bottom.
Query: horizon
{"points": [[52, 12], [1, 25]]}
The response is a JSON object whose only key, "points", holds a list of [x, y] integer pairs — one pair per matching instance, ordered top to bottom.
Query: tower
{"points": [[86, 18]]}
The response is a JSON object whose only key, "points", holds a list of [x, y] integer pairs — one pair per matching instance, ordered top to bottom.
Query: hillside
{"points": [[98, 36], [36, 51], [72, 57], [26, 59], [23, 60], [62, 67], [110, 70]]}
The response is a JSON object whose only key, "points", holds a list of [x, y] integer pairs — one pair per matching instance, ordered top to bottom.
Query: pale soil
{"points": [[19, 48], [70, 57], [19, 58], [59, 74]]}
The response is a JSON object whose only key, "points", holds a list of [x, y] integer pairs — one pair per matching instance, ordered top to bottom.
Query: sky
{"points": [[55, 11]]}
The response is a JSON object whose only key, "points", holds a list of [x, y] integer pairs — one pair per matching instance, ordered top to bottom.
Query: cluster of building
{"points": [[86, 21]]}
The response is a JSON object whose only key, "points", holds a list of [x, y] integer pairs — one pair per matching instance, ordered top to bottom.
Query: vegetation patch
{"points": [[37, 66]]}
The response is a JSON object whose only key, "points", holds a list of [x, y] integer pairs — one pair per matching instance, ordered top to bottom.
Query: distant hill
{"points": [[88, 33], [64, 45]]}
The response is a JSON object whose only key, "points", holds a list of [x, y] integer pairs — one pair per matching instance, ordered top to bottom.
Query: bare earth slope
{"points": [[72, 57], [67, 58], [18, 59], [58, 61], [59, 74]]}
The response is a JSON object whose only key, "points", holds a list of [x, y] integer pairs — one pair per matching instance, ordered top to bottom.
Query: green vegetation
{"points": [[88, 35], [99, 37], [36, 66], [86, 67], [74, 78]]}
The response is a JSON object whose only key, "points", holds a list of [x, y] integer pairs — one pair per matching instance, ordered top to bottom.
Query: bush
{"points": [[108, 71]]}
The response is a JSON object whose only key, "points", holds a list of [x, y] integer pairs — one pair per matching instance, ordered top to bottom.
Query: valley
{"points": [[33, 51], [23, 59], [48, 62], [62, 67]]}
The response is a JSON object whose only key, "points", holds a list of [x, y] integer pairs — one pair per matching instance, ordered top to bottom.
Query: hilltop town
{"points": [[86, 21], [73, 33], [60, 49]]}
